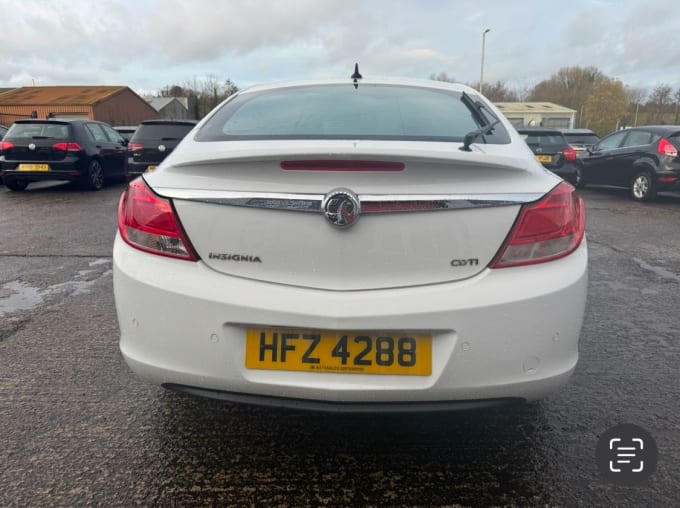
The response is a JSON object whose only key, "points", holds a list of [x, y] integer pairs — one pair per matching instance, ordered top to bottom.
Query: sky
{"points": [[149, 44]]}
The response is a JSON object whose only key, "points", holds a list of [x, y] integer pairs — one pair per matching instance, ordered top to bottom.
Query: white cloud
{"points": [[152, 43]]}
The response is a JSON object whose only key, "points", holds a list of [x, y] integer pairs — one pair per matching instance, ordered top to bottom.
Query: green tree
{"points": [[569, 86], [606, 106]]}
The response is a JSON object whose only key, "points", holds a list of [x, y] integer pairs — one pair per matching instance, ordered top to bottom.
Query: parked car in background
{"points": [[3, 131], [126, 131], [580, 139], [152, 142], [81, 151], [553, 151], [643, 159], [389, 245]]}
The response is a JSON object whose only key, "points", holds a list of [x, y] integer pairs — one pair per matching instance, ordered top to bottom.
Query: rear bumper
{"points": [[59, 170], [566, 171], [509, 333], [346, 407]]}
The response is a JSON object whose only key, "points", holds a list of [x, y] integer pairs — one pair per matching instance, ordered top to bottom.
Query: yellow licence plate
{"points": [[544, 159], [34, 167], [149, 169], [395, 353]]}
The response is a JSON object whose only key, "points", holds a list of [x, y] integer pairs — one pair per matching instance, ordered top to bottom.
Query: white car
{"points": [[365, 245]]}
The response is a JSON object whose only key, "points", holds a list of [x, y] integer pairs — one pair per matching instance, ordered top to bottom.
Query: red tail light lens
{"points": [[6, 145], [67, 147], [135, 147], [666, 148], [569, 154], [148, 222], [550, 229]]}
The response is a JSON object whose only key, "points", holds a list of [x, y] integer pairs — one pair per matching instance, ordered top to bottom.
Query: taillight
{"points": [[6, 145], [67, 147], [135, 147], [666, 148], [569, 154], [148, 222], [544, 231]]}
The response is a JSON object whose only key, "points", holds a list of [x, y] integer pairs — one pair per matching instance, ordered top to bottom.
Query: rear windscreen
{"points": [[388, 112], [38, 131], [167, 132], [582, 139], [675, 139], [544, 140]]}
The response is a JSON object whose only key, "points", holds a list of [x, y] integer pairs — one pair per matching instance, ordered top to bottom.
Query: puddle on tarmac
{"points": [[661, 272], [19, 295]]}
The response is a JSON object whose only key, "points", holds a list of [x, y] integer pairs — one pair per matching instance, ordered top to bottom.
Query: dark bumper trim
{"points": [[345, 407]]}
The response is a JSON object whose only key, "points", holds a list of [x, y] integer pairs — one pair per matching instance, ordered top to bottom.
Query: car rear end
{"points": [[580, 140], [152, 142], [35, 150], [552, 150], [668, 154], [320, 271]]}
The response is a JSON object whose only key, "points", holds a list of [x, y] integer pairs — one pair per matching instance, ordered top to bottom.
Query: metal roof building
{"points": [[116, 105], [538, 114]]}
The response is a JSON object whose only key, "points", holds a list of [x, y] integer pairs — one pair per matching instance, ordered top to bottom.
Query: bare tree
{"points": [[442, 76], [659, 101]]}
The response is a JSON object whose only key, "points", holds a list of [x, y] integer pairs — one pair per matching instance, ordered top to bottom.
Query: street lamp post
{"points": [[481, 74]]}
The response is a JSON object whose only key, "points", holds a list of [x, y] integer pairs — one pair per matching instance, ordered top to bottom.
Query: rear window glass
{"points": [[388, 112], [38, 131], [162, 131], [582, 139], [675, 139], [544, 140]]}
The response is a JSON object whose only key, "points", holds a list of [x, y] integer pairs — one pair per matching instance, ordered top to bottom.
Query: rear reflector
{"points": [[343, 165], [668, 179], [148, 222], [544, 231]]}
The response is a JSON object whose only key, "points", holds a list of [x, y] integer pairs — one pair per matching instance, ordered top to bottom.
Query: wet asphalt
{"points": [[77, 428]]}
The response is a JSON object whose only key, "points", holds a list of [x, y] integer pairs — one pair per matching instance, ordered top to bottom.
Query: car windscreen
{"points": [[381, 112], [38, 130], [162, 131], [582, 139]]}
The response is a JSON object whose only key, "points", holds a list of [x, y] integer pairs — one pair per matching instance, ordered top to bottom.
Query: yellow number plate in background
{"points": [[544, 159], [34, 167], [149, 169], [402, 354]]}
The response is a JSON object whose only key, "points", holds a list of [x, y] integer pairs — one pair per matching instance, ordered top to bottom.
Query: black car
{"points": [[3, 131], [126, 131], [580, 139], [152, 142], [81, 151], [553, 151], [643, 159]]}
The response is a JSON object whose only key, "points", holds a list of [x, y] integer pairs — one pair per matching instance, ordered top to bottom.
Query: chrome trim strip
{"points": [[312, 202]]}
